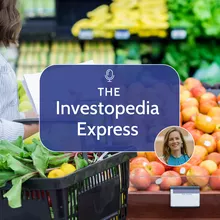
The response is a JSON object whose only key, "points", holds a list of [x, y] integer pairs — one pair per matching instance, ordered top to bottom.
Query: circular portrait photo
{"points": [[174, 146]]}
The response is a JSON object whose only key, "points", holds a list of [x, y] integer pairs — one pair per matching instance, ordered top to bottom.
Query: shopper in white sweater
{"points": [[10, 27]]}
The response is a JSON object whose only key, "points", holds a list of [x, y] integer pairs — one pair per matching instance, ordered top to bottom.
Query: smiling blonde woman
{"points": [[174, 148]]}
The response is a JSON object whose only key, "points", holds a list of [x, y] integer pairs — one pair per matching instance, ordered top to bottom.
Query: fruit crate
{"points": [[96, 192]]}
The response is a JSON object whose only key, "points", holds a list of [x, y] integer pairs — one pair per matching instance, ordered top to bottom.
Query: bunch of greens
{"points": [[200, 18], [128, 52], [186, 57], [209, 74], [20, 162]]}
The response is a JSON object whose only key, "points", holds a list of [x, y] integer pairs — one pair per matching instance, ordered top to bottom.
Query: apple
{"points": [[191, 82], [182, 88], [198, 91], [185, 95], [208, 96], [218, 99], [190, 102], [206, 106], [188, 112], [214, 112], [193, 118], [205, 123], [189, 125], [217, 127], [196, 133], [216, 135], [207, 141], [218, 146], [200, 151], [141, 154], [151, 156], [214, 156], [195, 160], [138, 162], [209, 165], [165, 166], [155, 168], [182, 170], [198, 176], [140, 178], [170, 178], [215, 180], [186, 184], [153, 188], [206, 188], [132, 189]]}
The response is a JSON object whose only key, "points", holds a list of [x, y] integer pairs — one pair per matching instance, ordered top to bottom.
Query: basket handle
{"points": [[102, 156]]}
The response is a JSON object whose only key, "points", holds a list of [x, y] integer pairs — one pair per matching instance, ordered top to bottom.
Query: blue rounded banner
{"points": [[95, 108]]}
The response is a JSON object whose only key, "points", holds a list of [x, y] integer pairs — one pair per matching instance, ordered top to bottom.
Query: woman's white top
{"points": [[9, 130]]}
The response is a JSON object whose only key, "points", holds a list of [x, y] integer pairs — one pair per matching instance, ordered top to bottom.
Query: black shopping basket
{"points": [[96, 192]]}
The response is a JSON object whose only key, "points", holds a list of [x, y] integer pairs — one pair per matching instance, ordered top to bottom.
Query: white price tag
{"points": [[86, 34], [122, 34], [178, 34], [185, 196]]}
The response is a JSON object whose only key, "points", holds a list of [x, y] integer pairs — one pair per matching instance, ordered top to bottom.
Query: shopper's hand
{"points": [[31, 114], [30, 130]]}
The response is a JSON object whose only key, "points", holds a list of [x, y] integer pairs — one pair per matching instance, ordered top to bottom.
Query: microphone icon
{"points": [[109, 75]]}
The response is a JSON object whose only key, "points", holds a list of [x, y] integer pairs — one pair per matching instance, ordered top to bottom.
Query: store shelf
{"points": [[38, 29], [156, 205]]}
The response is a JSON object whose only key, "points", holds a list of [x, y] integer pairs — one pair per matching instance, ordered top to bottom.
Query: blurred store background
{"points": [[182, 33]]}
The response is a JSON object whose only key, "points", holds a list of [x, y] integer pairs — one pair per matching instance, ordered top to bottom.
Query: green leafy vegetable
{"points": [[199, 18], [186, 57], [18, 142], [7, 147], [30, 147], [40, 159], [59, 159], [3, 162], [19, 162], [80, 162], [17, 166], [6, 176], [14, 194]]}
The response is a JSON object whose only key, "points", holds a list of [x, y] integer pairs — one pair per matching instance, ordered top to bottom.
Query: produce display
{"points": [[37, 8], [143, 18], [199, 18], [99, 52], [65, 53], [128, 53], [187, 57], [33, 58], [200, 115], [19, 162]]}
